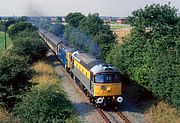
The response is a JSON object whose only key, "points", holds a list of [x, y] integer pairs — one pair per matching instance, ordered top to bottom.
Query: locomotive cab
{"points": [[107, 86]]}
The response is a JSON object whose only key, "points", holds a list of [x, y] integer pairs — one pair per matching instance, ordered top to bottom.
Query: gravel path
{"points": [[85, 110]]}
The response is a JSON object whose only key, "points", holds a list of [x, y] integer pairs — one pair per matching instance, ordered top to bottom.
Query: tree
{"points": [[22, 18], [74, 19], [59, 20], [155, 20], [18, 27], [92, 27], [57, 29], [28, 44], [150, 56], [15, 75]]}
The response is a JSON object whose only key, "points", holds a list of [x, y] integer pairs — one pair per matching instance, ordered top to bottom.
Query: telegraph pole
{"points": [[5, 36]]}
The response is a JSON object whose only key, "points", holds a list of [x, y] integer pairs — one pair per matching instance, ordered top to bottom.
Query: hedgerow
{"points": [[29, 44], [151, 54], [14, 78], [46, 104]]}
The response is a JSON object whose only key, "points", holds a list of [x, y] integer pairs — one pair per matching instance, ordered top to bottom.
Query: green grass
{"points": [[119, 26], [2, 44]]}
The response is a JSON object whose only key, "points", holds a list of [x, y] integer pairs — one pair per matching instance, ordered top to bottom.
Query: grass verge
{"points": [[2, 43], [45, 73], [46, 102], [162, 113], [5, 117]]}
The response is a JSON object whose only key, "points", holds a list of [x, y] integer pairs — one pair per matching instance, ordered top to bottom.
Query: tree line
{"points": [[89, 33], [150, 55], [15, 72], [18, 94]]}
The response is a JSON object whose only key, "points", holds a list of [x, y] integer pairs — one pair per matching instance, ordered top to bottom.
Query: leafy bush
{"points": [[18, 27], [28, 44], [150, 56], [14, 77], [43, 105]]}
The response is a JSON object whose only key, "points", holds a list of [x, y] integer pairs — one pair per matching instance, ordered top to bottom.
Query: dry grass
{"points": [[121, 33], [45, 73], [162, 113], [5, 117]]}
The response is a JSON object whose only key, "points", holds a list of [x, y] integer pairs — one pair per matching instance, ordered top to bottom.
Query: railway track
{"points": [[103, 115], [123, 117], [107, 120]]}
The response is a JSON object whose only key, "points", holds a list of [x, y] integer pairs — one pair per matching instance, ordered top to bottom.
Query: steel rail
{"points": [[103, 115], [123, 117]]}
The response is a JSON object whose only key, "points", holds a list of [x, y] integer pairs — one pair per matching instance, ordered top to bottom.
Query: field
{"points": [[119, 26], [2, 44]]}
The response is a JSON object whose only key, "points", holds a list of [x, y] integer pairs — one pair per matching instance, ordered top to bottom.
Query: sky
{"points": [[118, 8]]}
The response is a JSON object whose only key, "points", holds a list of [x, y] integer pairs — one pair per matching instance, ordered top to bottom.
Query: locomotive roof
{"points": [[86, 59]]}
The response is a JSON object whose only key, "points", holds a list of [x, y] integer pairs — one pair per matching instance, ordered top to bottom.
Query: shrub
{"points": [[18, 27], [29, 44], [150, 56], [14, 77], [47, 103]]}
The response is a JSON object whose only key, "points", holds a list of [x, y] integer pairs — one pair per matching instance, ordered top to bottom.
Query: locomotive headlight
{"points": [[119, 99], [99, 100]]}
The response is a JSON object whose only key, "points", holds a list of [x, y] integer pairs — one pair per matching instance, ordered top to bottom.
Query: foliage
{"points": [[22, 19], [73, 19], [59, 20], [155, 20], [6, 23], [18, 27], [92, 28], [57, 29], [2, 42], [28, 44], [150, 56], [15, 76], [47, 104]]}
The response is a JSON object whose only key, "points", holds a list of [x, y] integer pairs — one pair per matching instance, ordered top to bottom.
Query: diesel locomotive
{"points": [[100, 81]]}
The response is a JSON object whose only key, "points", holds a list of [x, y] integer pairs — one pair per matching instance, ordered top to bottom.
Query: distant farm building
{"points": [[121, 20]]}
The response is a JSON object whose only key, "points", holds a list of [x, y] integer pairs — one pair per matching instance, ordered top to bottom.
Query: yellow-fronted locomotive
{"points": [[100, 81]]}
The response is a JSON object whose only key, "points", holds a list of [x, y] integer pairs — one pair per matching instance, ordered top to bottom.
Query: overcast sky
{"points": [[63, 7]]}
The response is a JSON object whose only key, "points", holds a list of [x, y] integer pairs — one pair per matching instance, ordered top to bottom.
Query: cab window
{"points": [[99, 78], [107, 78]]}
